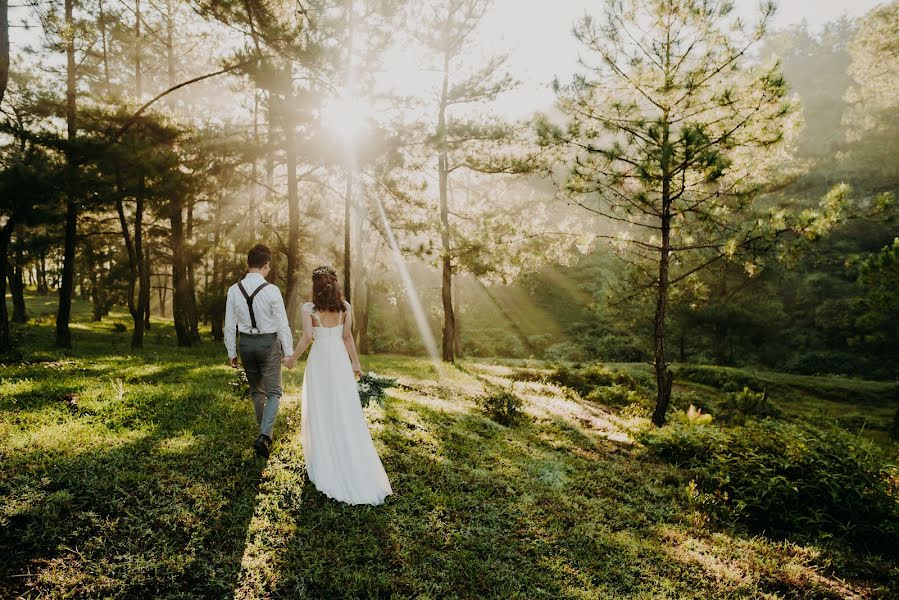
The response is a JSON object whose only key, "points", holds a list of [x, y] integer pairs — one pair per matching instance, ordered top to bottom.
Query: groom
{"points": [[255, 309]]}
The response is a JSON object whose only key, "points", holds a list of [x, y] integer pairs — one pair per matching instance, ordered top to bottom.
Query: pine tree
{"points": [[672, 133]]}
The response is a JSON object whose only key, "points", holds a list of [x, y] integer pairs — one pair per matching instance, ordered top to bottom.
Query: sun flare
{"points": [[346, 116]]}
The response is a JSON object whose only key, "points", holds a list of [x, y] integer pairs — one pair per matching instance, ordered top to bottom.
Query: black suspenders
{"points": [[249, 298]]}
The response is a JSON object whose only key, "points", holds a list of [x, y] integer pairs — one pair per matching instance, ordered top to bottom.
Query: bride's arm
{"points": [[348, 340], [304, 342]]}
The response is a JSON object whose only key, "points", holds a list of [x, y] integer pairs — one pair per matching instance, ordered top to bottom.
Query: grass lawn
{"points": [[129, 474]]}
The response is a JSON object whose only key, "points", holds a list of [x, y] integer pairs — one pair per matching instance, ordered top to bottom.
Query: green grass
{"points": [[129, 474]]}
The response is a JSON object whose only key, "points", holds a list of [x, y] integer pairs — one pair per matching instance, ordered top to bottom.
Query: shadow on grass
{"points": [[158, 508], [480, 510]]}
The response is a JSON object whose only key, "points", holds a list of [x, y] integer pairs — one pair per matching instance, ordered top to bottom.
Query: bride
{"points": [[340, 457]]}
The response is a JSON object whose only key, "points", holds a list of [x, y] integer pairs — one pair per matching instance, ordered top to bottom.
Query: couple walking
{"points": [[340, 457]]}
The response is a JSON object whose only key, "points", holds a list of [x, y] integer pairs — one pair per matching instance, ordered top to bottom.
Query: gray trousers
{"points": [[261, 357]]}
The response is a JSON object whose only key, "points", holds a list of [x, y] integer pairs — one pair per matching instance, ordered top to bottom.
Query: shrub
{"points": [[119, 327], [565, 351], [718, 377], [586, 379], [615, 395], [683, 400], [746, 403], [502, 405], [788, 478]]}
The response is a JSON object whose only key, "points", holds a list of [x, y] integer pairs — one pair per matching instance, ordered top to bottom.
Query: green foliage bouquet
{"points": [[372, 387]]}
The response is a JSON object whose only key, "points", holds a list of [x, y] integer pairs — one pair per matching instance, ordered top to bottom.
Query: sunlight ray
{"points": [[421, 321]]}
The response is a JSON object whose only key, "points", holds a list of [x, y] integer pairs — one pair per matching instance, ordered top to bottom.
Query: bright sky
{"points": [[538, 35]]}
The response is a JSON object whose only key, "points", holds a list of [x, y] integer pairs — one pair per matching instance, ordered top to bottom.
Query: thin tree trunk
{"points": [[4, 47], [350, 168], [253, 176], [293, 211], [347, 226], [133, 249], [145, 285], [17, 286], [43, 288], [163, 294], [180, 300], [184, 306], [360, 308], [64, 311], [193, 312], [217, 316], [449, 318], [457, 330], [5, 335], [664, 377]]}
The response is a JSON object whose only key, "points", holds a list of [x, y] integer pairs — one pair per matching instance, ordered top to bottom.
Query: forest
{"points": [[676, 274]]}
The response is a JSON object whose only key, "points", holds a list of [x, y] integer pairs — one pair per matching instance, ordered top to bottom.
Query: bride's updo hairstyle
{"points": [[326, 294]]}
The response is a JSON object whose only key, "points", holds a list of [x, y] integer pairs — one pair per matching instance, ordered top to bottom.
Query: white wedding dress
{"points": [[341, 459]]}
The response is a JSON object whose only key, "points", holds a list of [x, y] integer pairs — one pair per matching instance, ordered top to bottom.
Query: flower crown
{"points": [[324, 271]]}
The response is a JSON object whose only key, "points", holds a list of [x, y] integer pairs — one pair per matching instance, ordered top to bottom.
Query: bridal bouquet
{"points": [[371, 387]]}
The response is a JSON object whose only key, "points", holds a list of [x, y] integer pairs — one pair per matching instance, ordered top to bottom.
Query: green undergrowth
{"points": [[129, 474]]}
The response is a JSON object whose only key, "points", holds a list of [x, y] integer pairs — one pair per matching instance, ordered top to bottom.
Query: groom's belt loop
{"points": [[249, 298]]}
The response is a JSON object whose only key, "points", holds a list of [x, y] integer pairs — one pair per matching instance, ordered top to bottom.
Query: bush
{"points": [[565, 351], [718, 377], [586, 379], [616, 395], [682, 400], [746, 403], [502, 406], [786, 478]]}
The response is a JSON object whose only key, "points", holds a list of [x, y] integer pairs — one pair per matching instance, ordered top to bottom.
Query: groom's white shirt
{"points": [[268, 307]]}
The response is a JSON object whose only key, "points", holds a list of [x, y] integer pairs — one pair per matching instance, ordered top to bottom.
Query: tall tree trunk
{"points": [[4, 47], [350, 167], [254, 187], [293, 211], [347, 227], [134, 259], [145, 285], [17, 286], [43, 288], [163, 289], [180, 299], [184, 302], [360, 308], [64, 312], [193, 312], [217, 314], [449, 317], [457, 330], [5, 335], [664, 377]]}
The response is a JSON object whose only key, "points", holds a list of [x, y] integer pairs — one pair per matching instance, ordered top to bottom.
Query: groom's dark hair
{"points": [[258, 256]]}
